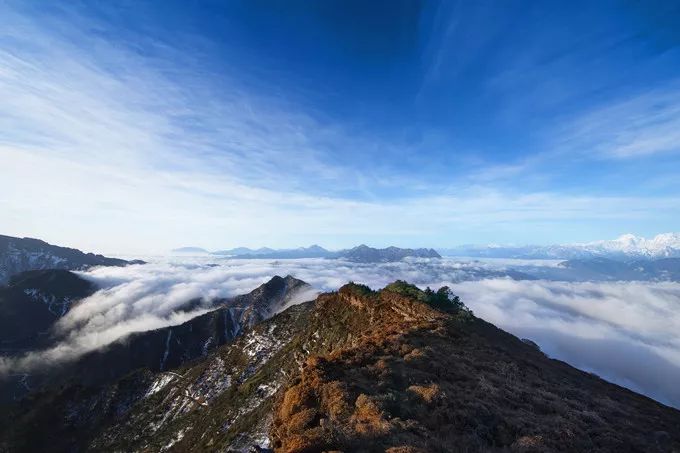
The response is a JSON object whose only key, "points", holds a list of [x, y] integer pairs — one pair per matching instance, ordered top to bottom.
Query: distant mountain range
{"points": [[625, 247], [190, 250], [313, 251], [25, 254], [359, 254], [365, 254]]}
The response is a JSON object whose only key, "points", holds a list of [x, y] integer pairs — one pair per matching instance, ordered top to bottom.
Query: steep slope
{"points": [[24, 254], [32, 302], [30, 305], [170, 347], [155, 350], [398, 370], [422, 381]]}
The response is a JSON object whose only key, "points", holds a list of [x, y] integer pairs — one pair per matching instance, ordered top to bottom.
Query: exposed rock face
{"points": [[25, 254], [169, 347], [155, 350], [357, 370]]}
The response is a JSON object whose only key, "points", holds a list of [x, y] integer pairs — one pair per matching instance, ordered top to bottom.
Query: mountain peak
{"points": [[389, 369]]}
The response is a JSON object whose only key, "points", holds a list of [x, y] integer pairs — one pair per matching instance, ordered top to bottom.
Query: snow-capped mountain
{"points": [[664, 245], [627, 246]]}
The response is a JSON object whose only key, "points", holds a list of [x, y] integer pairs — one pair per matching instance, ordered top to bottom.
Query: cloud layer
{"points": [[145, 297], [625, 332]]}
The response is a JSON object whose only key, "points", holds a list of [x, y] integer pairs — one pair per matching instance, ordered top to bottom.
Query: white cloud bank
{"points": [[139, 298], [626, 332]]}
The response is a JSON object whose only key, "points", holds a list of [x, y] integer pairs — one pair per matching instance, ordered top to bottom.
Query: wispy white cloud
{"points": [[88, 98], [641, 125], [135, 146], [127, 209], [130, 210], [139, 298]]}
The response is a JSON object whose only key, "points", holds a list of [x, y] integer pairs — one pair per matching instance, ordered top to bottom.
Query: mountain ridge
{"points": [[361, 253], [24, 254], [158, 349], [399, 370]]}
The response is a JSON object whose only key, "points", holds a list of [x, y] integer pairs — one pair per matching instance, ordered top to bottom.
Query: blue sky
{"points": [[142, 126]]}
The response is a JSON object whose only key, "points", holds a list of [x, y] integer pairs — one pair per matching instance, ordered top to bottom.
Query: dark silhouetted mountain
{"points": [[189, 250], [25, 254], [366, 254], [32, 302], [169, 347], [159, 349], [399, 370]]}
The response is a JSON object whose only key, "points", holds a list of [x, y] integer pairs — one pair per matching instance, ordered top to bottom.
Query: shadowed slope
{"points": [[399, 370]]}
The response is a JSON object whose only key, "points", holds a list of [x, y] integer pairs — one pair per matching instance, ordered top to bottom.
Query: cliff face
{"points": [[36, 299], [170, 347], [399, 370]]}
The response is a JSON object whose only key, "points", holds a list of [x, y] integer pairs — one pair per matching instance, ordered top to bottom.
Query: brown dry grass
{"points": [[417, 379]]}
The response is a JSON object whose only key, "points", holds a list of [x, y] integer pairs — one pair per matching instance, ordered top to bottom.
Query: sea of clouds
{"points": [[626, 332]]}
